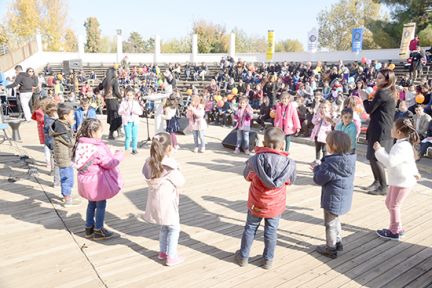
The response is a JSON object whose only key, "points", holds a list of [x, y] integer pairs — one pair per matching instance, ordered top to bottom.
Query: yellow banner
{"points": [[408, 34], [270, 45]]}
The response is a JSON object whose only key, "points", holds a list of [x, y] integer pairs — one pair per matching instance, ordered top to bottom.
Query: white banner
{"points": [[408, 34], [312, 40]]}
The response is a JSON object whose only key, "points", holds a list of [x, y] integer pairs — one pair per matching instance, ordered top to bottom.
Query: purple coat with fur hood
{"points": [[98, 173], [163, 193]]}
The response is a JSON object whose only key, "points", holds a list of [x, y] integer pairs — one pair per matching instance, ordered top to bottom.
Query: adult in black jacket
{"points": [[27, 82], [112, 95], [381, 109]]}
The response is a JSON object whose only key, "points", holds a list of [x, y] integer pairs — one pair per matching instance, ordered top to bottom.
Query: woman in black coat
{"points": [[112, 95], [381, 109]]}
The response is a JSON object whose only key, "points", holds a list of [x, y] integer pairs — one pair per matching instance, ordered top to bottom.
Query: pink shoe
{"points": [[237, 150], [162, 256], [174, 261]]}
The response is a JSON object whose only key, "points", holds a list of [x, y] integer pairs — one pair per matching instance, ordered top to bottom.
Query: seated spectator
{"points": [[403, 112], [264, 113], [305, 116], [421, 121], [427, 141]]}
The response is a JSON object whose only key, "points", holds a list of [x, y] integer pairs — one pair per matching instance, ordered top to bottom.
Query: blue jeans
{"points": [[131, 133], [199, 135], [243, 137], [66, 180], [99, 208], [270, 235], [168, 239]]}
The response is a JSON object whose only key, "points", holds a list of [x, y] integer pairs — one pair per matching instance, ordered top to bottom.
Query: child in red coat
{"points": [[38, 115]]}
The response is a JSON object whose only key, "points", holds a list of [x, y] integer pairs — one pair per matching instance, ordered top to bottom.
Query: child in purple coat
{"points": [[243, 117]]}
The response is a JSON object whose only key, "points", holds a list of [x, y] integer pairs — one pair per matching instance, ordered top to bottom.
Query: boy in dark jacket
{"points": [[61, 131], [269, 172], [336, 176]]}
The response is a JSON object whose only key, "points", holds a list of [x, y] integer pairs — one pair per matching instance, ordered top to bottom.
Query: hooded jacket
{"points": [[64, 141], [269, 171], [98, 173], [336, 176], [163, 194]]}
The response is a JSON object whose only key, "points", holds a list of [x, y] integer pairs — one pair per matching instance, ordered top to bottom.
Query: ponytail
{"points": [[407, 128], [159, 145]]}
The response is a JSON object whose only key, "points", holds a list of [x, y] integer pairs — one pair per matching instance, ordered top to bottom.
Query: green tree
{"points": [[405, 11], [336, 23], [93, 35], [426, 36], [211, 37], [70, 41], [245, 43], [108, 44], [134, 44], [181, 45], [289, 45]]}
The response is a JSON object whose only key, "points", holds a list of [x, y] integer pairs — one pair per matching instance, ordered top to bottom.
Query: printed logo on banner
{"points": [[357, 39]]}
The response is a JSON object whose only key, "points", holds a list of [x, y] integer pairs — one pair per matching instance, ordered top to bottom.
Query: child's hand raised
{"points": [[376, 146]]}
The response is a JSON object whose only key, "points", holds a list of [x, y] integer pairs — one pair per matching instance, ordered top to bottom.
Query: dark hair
{"points": [[18, 67], [390, 78], [108, 81], [172, 103], [50, 108], [64, 109], [347, 111], [406, 127], [88, 128], [274, 138], [339, 142], [159, 145]]}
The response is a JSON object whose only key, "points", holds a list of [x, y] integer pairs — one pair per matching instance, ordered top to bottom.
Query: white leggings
{"points": [[25, 104], [47, 155]]}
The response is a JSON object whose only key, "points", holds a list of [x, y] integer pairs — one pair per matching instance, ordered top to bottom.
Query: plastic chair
{"points": [[3, 127]]}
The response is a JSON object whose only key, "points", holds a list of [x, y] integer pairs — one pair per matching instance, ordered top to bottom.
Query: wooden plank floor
{"points": [[42, 243]]}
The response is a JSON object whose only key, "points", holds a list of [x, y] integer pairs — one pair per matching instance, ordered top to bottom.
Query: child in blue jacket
{"points": [[83, 112], [348, 126], [336, 176]]}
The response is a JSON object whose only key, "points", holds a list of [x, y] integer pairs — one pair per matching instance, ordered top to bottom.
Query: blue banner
{"points": [[357, 39]]}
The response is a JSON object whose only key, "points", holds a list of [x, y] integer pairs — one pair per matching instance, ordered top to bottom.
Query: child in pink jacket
{"points": [[195, 113], [243, 117], [287, 119], [323, 122], [99, 177], [164, 179]]}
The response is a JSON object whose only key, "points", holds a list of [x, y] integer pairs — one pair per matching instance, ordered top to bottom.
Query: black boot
{"points": [[111, 135], [375, 185], [327, 251]]}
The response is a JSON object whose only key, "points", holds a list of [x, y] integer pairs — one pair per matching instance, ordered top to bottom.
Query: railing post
{"points": [[194, 48], [157, 51]]}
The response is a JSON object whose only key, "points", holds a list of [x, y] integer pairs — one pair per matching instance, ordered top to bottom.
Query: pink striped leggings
{"points": [[395, 197]]}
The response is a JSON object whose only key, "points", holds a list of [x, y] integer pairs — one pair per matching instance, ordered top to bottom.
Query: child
{"points": [[130, 110], [83, 112], [264, 112], [195, 114], [50, 115], [38, 116], [243, 117], [287, 119], [323, 122], [172, 123], [347, 126], [61, 131], [269, 172], [402, 173], [336, 176], [99, 178], [164, 178]]}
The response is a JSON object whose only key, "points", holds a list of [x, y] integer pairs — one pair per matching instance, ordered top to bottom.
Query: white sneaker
{"points": [[177, 147], [195, 150], [202, 150]]}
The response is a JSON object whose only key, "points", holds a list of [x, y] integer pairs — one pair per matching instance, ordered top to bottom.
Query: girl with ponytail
{"points": [[402, 173], [164, 179]]}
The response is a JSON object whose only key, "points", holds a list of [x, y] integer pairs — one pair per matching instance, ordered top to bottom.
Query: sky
{"points": [[173, 19]]}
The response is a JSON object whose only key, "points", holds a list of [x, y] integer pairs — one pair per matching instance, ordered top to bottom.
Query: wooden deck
{"points": [[42, 243]]}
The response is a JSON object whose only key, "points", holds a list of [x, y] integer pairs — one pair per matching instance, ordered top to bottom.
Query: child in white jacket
{"points": [[402, 173]]}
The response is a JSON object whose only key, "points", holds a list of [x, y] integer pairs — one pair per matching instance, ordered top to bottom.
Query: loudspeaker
{"points": [[69, 65], [183, 124], [230, 140]]}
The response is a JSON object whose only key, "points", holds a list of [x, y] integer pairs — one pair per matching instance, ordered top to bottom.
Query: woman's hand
{"points": [[376, 146]]}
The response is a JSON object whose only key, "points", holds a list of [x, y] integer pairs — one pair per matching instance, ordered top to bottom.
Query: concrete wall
{"points": [[40, 59]]}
